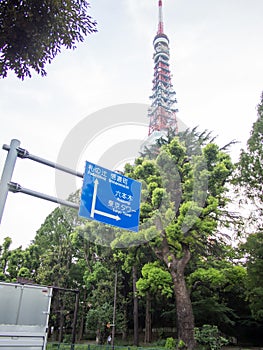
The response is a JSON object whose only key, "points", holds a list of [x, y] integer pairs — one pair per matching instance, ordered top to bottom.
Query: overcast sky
{"points": [[217, 66]]}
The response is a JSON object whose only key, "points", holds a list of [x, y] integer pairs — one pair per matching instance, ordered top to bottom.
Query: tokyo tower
{"points": [[162, 112]]}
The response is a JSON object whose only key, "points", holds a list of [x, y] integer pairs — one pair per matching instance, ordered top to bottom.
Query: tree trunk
{"points": [[135, 308], [184, 310], [82, 315], [185, 317], [148, 320], [81, 327], [125, 328]]}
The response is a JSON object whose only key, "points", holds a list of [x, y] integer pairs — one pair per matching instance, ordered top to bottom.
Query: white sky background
{"points": [[217, 66]]}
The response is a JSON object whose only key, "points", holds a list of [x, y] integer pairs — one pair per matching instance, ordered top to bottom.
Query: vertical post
{"points": [[7, 173], [135, 307], [114, 309], [74, 326]]}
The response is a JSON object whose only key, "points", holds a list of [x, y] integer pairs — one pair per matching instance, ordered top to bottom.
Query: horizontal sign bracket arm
{"points": [[22, 153], [16, 188]]}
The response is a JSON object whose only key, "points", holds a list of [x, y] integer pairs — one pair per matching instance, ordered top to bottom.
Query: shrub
{"points": [[210, 336], [170, 343]]}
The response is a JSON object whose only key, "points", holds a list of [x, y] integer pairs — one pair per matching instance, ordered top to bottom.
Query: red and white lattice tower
{"points": [[162, 112]]}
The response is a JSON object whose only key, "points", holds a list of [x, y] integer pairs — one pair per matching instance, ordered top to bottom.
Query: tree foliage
{"points": [[33, 32], [250, 174], [249, 180], [184, 196], [178, 249], [253, 249], [155, 280], [218, 294]]}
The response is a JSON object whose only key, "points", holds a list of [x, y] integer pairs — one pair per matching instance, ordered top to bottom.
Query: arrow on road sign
{"points": [[93, 205], [115, 217]]}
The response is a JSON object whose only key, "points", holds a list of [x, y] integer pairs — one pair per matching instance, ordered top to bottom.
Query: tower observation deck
{"points": [[162, 112]]}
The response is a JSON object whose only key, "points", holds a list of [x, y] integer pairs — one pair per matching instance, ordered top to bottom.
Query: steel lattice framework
{"points": [[162, 112]]}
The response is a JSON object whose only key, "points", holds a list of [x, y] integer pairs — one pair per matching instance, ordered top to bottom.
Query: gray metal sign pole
{"points": [[7, 174], [6, 185]]}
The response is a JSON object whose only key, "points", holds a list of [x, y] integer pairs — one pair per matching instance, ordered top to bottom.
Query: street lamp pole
{"points": [[114, 309]]}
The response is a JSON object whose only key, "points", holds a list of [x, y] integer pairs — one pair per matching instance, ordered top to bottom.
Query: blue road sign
{"points": [[110, 197]]}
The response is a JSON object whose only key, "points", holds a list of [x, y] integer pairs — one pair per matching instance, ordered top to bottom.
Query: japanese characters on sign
{"points": [[110, 197]]}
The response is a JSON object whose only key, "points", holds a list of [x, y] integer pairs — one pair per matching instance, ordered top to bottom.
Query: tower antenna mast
{"points": [[160, 24], [162, 112]]}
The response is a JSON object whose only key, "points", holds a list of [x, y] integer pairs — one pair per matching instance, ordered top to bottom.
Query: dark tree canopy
{"points": [[32, 32], [253, 248]]}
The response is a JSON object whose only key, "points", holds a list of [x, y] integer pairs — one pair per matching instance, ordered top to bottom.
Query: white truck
{"points": [[24, 314]]}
